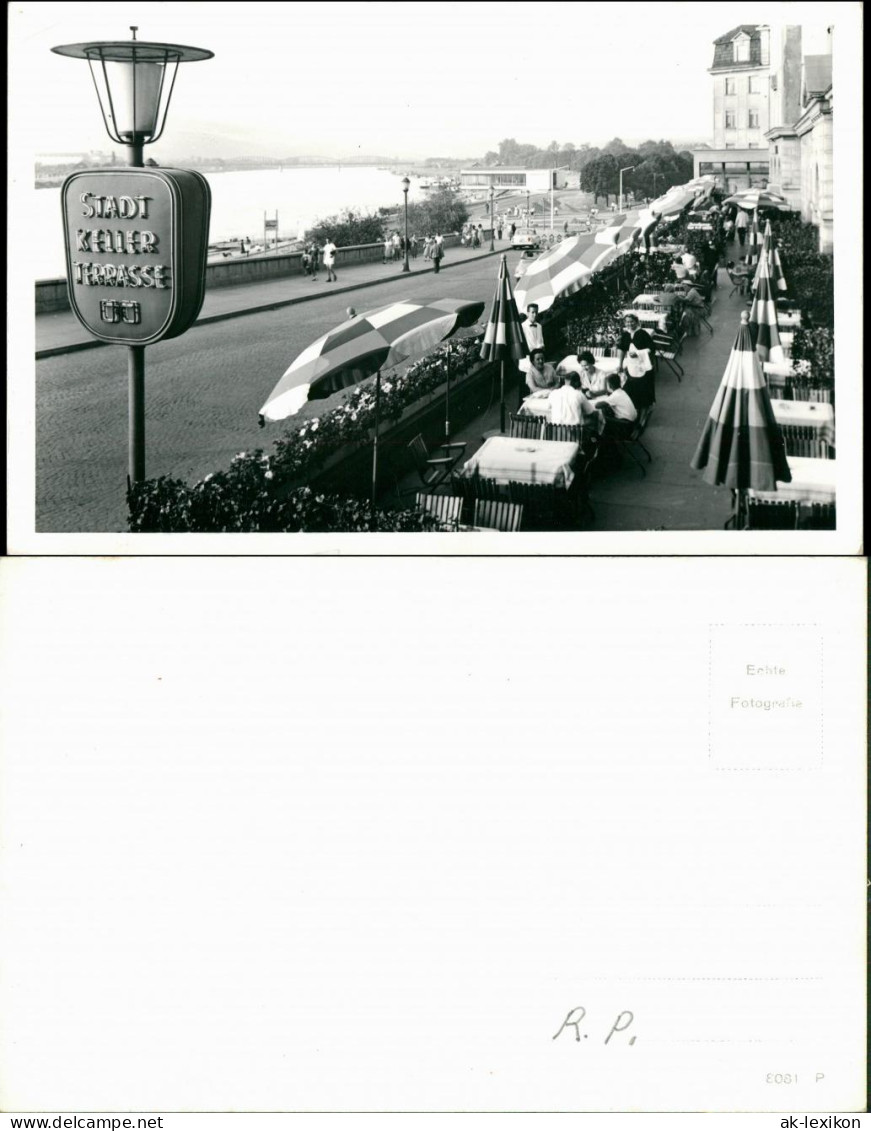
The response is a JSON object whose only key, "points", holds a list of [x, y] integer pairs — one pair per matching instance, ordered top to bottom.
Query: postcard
{"points": [[442, 836]]}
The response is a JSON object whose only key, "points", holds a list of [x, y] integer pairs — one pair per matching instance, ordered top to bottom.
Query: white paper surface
{"points": [[334, 836]]}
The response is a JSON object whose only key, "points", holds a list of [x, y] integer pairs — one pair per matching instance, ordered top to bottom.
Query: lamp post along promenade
{"points": [[628, 169], [406, 184], [492, 220], [136, 239]]}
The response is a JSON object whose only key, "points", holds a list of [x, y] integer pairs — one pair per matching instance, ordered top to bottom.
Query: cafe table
{"points": [[647, 317], [788, 319], [786, 340], [807, 414], [507, 459], [813, 481]]}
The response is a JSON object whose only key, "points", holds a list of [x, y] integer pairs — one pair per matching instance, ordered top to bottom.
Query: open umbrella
{"points": [[754, 198], [763, 316], [503, 339], [362, 346], [741, 446]]}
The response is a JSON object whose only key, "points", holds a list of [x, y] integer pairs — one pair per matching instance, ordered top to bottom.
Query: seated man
{"points": [[539, 373], [593, 381], [568, 405], [617, 409]]}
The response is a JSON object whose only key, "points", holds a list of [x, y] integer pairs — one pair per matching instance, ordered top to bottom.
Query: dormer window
{"points": [[741, 49]]}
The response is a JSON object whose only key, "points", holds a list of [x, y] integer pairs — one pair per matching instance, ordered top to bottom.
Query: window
{"points": [[742, 50], [774, 82], [753, 84], [730, 86], [730, 119], [753, 120], [776, 150]]}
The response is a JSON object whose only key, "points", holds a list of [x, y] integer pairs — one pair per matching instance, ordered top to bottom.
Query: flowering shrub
{"points": [[809, 274], [813, 352], [244, 497], [243, 500]]}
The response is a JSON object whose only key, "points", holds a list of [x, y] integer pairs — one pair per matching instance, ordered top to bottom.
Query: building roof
{"points": [[723, 53], [817, 74]]}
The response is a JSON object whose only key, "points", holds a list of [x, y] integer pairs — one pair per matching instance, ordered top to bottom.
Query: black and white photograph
{"points": [[373, 268]]}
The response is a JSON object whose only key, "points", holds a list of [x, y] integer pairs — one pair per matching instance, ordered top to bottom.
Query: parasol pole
{"points": [[448, 396], [502, 396], [375, 443]]}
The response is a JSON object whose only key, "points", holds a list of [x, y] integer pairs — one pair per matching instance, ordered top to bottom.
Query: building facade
{"points": [[738, 155], [477, 180]]}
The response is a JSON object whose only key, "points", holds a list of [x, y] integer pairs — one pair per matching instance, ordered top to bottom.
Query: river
{"points": [[299, 195]]}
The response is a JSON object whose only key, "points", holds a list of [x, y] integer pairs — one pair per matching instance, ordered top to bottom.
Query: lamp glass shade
{"points": [[140, 119], [406, 184]]}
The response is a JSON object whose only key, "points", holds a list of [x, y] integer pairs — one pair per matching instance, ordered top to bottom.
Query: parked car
{"points": [[527, 239]]}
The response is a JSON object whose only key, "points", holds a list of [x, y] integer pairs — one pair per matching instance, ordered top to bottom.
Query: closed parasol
{"points": [[503, 338]]}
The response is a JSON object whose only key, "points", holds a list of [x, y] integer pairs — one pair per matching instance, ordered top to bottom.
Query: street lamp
{"points": [[134, 81], [628, 169], [553, 174], [655, 177], [406, 184], [527, 206], [492, 219]]}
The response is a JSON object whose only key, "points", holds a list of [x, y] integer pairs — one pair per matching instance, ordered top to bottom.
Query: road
{"points": [[203, 392]]}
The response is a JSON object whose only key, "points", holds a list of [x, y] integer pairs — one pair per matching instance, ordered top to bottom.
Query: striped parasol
{"points": [[754, 198], [771, 256], [568, 266], [763, 316], [503, 338], [362, 346], [741, 446]]}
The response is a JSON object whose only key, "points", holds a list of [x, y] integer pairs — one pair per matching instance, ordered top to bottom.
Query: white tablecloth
{"points": [[647, 317], [790, 320], [807, 414], [524, 461], [813, 481]]}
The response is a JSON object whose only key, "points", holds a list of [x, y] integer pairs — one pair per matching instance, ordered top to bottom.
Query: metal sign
{"points": [[136, 246]]}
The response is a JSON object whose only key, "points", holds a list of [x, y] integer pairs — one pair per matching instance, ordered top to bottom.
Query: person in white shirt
{"points": [[329, 258], [532, 330], [594, 382], [567, 404], [617, 408]]}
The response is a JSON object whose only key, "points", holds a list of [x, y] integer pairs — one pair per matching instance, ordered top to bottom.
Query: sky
{"points": [[407, 79]]}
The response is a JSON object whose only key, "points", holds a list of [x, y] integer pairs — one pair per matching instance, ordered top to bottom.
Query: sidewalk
{"points": [[61, 332]]}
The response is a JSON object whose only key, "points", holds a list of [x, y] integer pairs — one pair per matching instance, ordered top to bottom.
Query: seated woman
{"points": [[540, 374], [594, 382]]}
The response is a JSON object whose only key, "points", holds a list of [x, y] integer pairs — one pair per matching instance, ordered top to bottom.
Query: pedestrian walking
{"points": [[742, 223], [499, 229], [512, 230], [413, 244], [388, 249], [437, 253], [315, 255], [329, 259]]}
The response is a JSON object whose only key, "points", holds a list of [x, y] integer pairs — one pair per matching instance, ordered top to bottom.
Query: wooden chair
{"points": [[739, 280], [667, 349], [523, 427], [566, 433], [632, 440], [801, 440], [435, 469], [539, 501], [445, 508], [497, 515], [765, 515], [822, 517]]}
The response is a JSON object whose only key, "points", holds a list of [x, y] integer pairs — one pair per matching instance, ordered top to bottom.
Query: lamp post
{"points": [[134, 81], [628, 169], [553, 174], [655, 178], [406, 184], [527, 207], [492, 219]]}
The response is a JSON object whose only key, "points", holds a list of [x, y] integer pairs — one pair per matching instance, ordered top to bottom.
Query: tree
{"points": [[601, 176], [442, 211], [349, 228]]}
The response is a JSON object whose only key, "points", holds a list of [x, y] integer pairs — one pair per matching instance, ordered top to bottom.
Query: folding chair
{"points": [[739, 281], [668, 348], [524, 427], [633, 439], [801, 440], [434, 470], [445, 508], [497, 515], [822, 517]]}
